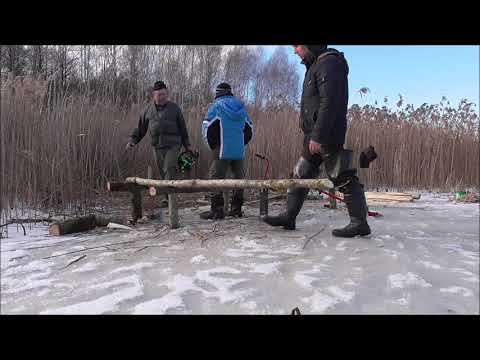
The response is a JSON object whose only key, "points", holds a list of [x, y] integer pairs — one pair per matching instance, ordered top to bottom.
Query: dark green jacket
{"points": [[167, 128]]}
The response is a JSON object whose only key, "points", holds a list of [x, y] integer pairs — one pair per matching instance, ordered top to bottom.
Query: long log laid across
{"points": [[121, 186], [184, 186]]}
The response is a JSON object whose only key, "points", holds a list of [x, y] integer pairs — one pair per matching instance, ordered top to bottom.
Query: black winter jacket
{"points": [[323, 109]]}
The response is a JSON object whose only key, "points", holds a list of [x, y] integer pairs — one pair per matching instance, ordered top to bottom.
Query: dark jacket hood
{"points": [[316, 49]]}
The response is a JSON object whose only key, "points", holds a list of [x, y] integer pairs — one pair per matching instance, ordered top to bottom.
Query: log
{"points": [[121, 186], [184, 186], [80, 224], [71, 226]]}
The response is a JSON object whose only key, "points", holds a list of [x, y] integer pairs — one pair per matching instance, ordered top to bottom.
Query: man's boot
{"points": [[295, 199], [164, 202], [236, 206], [216, 209], [357, 210]]}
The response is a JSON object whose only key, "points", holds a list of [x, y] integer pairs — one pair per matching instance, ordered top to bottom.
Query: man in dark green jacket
{"points": [[323, 120], [164, 121]]}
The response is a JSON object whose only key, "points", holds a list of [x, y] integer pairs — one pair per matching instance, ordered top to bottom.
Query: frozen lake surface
{"points": [[422, 258]]}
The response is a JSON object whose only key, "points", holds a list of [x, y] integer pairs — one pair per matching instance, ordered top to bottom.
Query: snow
{"points": [[422, 258], [198, 259], [266, 268], [406, 280], [457, 290]]}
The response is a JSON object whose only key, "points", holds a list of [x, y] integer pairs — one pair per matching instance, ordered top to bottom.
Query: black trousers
{"points": [[336, 160], [219, 169]]}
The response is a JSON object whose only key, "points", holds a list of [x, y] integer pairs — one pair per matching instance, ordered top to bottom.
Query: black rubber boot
{"points": [[295, 199], [236, 206], [216, 209], [357, 210]]}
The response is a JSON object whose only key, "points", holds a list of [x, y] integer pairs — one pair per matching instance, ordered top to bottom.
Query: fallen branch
{"points": [[311, 237], [90, 248], [74, 261]]}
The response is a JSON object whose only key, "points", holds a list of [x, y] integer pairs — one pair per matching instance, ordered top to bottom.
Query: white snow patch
{"points": [[313, 221], [288, 251], [236, 253], [392, 253], [266, 256], [7, 258], [327, 258], [353, 258], [198, 259], [468, 262], [430, 265], [33, 266], [85, 267], [135, 267], [266, 268], [462, 271], [132, 279], [304, 279], [471, 279], [404, 280], [349, 282], [178, 284], [222, 284], [458, 290], [341, 294], [401, 301], [320, 302], [249, 305], [98, 306]]}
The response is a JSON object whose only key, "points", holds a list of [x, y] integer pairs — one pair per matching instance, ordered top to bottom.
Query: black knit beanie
{"points": [[159, 85], [223, 89]]}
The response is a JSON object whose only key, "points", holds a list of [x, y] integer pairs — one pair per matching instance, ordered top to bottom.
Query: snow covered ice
{"points": [[422, 258]]}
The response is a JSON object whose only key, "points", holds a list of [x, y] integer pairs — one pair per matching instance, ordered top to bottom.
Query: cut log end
{"points": [[152, 191], [54, 230]]}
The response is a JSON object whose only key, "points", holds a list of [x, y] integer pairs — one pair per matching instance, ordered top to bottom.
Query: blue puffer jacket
{"points": [[227, 126]]}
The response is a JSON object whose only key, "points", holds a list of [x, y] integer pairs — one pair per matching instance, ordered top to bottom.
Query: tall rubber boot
{"points": [[295, 200], [164, 202], [236, 205], [216, 209], [357, 210]]}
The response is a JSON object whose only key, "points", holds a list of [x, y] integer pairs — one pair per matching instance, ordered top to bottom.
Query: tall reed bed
{"points": [[57, 154]]}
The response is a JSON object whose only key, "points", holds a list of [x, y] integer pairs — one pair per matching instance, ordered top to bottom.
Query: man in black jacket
{"points": [[323, 119], [164, 121]]}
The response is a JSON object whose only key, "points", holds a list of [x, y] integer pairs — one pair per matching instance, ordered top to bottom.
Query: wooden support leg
{"points": [[226, 201], [333, 201], [263, 202], [136, 205], [173, 211]]}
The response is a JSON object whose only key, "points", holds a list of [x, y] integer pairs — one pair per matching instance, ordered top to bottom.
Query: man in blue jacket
{"points": [[226, 130]]}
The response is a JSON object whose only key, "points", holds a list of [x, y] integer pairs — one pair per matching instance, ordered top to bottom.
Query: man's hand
{"points": [[129, 146], [314, 147]]}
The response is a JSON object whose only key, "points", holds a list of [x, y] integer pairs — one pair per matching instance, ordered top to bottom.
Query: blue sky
{"points": [[422, 74]]}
